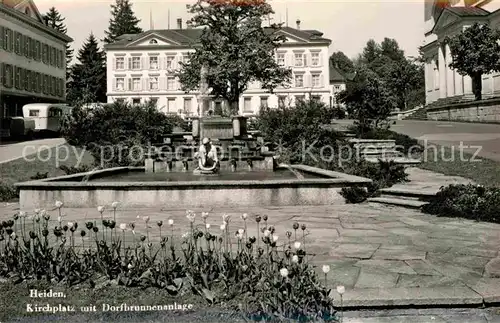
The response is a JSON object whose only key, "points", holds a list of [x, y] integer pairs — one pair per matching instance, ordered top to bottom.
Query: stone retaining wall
{"points": [[477, 111]]}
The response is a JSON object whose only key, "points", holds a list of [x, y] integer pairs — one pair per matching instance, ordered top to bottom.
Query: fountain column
{"points": [[203, 97]]}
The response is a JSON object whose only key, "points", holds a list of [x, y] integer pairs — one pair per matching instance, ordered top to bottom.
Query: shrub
{"points": [[110, 131], [75, 170], [39, 176], [8, 192], [355, 194], [466, 201], [265, 277]]}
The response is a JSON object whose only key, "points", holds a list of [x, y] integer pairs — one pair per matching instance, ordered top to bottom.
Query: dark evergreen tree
{"points": [[53, 19], [123, 21], [88, 76]]}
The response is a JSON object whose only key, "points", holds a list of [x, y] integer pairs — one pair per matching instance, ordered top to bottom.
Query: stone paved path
{"points": [[427, 181], [382, 255]]}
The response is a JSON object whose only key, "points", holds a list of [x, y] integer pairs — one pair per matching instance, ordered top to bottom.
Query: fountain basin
{"points": [[133, 187]]}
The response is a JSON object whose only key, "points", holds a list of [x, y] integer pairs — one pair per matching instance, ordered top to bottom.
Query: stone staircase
{"points": [[373, 150], [408, 198]]}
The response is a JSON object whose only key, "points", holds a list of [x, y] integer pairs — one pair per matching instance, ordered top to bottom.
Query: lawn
{"points": [[48, 161], [485, 172], [15, 298]]}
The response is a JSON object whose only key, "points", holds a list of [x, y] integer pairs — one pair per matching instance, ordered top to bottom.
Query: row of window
{"points": [[22, 45], [300, 59], [148, 63], [30, 81], [169, 83]]}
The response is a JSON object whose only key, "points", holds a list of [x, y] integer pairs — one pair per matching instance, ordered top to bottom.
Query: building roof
{"points": [[11, 3], [460, 12], [190, 36], [335, 74]]}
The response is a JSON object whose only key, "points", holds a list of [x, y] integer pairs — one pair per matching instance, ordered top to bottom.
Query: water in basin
{"points": [[284, 174]]}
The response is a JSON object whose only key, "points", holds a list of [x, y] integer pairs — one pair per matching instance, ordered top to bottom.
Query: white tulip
{"points": [[59, 204], [114, 205], [100, 208], [36, 211], [204, 215], [244, 216], [226, 217], [59, 219], [171, 222], [70, 224], [123, 226], [207, 226], [223, 227], [241, 231], [267, 233], [13, 235], [275, 238], [297, 245], [295, 259], [326, 269], [284, 272], [340, 289]]}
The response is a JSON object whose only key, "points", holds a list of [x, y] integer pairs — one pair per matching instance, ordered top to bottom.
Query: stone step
{"points": [[378, 147], [380, 152], [411, 194], [411, 204]]}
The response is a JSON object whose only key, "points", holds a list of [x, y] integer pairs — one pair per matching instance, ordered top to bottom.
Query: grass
{"points": [[484, 172], [15, 298]]}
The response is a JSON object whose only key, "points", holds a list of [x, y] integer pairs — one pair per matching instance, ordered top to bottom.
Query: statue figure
{"points": [[208, 161]]}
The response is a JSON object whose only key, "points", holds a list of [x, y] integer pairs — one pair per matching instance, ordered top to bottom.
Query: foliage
{"points": [[53, 19], [123, 21], [234, 48], [475, 52], [342, 63], [88, 76], [406, 79], [367, 97], [290, 128], [110, 131], [70, 170], [40, 176], [8, 192], [354, 194], [470, 201], [262, 276]]}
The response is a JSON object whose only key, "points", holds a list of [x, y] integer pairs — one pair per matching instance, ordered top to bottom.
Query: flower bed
{"points": [[262, 276]]}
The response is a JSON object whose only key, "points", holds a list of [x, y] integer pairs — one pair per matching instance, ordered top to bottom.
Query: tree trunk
{"points": [[477, 85], [234, 108]]}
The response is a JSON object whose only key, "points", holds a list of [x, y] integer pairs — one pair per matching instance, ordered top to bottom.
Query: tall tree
{"points": [[53, 19], [122, 21], [235, 48], [390, 48], [371, 52], [475, 52], [342, 62], [88, 76], [406, 80], [367, 97]]}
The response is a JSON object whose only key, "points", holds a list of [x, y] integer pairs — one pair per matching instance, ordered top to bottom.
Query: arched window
{"points": [[153, 42]]}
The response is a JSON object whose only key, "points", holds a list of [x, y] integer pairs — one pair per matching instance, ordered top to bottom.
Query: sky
{"points": [[348, 23]]}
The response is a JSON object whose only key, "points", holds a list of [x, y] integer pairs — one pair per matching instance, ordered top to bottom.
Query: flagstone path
{"points": [[382, 255]]}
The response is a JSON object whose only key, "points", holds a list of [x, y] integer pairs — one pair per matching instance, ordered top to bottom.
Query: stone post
{"points": [[442, 73], [450, 74], [203, 97]]}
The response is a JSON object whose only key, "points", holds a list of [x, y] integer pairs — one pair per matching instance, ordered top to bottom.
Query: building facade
{"points": [[446, 18], [33, 58], [140, 68]]}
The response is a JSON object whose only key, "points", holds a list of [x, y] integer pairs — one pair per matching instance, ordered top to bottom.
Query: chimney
{"points": [[179, 23], [298, 24]]}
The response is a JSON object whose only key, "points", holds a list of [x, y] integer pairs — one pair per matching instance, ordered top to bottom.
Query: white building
{"points": [[445, 18], [32, 58], [140, 67]]}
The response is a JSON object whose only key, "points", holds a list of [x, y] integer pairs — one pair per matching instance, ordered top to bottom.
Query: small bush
{"points": [[114, 132], [75, 170], [39, 176], [8, 192], [355, 194], [466, 201]]}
